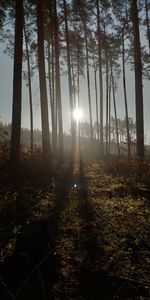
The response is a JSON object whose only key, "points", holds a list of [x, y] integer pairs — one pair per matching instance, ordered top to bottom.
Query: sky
{"points": [[6, 81]]}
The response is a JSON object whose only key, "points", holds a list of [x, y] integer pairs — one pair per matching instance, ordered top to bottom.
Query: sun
{"points": [[77, 114]]}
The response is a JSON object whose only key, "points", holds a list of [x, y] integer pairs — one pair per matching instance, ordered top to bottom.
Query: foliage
{"points": [[4, 143], [133, 171]]}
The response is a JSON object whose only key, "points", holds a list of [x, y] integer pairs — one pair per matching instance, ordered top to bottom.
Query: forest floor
{"points": [[85, 236]]}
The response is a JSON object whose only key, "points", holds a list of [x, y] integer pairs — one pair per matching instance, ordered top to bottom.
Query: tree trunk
{"points": [[147, 23], [106, 57], [69, 75], [78, 76], [73, 80], [100, 81], [88, 82], [138, 82], [58, 85], [17, 88], [43, 91], [30, 93], [51, 94], [125, 94], [54, 96], [96, 98], [55, 104], [115, 110], [109, 117]]}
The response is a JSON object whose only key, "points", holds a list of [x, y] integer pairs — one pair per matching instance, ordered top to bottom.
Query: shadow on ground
{"points": [[60, 258], [31, 271]]}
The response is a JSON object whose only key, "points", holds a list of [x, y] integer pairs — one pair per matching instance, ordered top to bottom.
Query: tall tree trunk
{"points": [[147, 23], [106, 57], [69, 74], [78, 76], [73, 80], [100, 80], [88, 81], [138, 82], [58, 85], [107, 87], [17, 88], [43, 91], [30, 93], [51, 94], [125, 94], [78, 95], [54, 96], [96, 99], [55, 104], [107, 107], [115, 110], [109, 117]]}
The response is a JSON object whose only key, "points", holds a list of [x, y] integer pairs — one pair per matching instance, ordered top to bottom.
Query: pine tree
{"points": [[138, 81], [17, 88], [43, 90]]}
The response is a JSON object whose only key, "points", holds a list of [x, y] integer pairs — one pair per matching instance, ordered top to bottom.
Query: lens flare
{"points": [[77, 114]]}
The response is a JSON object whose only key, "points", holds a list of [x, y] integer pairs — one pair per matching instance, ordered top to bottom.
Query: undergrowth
{"points": [[101, 220]]}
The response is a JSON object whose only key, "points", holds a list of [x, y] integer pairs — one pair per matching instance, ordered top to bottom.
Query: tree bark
{"points": [[147, 23], [106, 57], [53, 63], [69, 74], [88, 81], [100, 81], [138, 82], [58, 85], [17, 88], [43, 91], [30, 93], [51, 94], [125, 94], [96, 99], [115, 110], [109, 117]]}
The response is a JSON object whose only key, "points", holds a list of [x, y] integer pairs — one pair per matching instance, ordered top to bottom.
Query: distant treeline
{"points": [[85, 141]]}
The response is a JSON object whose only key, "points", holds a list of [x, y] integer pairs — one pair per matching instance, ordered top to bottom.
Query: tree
{"points": [[147, 23], [106, 41], [50, 61], [52, 72], [69, 72], [88, 78], [100, 80], [138, 81], [58, 85], [17, 88], [124, 88], [43, 91], [30, 92], [96, 99], [115, 110], [109, 115], [85, 130]]}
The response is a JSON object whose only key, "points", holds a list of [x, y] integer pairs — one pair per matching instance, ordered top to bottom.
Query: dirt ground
{"points": [[88, 240]]}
